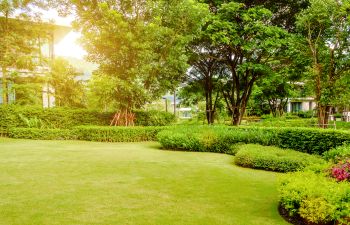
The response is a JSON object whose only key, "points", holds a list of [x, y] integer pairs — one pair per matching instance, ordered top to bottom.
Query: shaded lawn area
{"points": [[72, 182]]}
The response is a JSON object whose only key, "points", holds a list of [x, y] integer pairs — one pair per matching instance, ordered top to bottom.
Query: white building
{"points": [[301, 104]]}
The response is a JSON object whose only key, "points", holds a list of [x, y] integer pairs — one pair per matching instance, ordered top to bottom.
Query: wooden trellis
{"points": [[123, 119]]}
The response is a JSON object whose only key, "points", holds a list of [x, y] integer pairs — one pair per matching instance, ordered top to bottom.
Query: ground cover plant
{"points": [[274, 158], [75, 182]]}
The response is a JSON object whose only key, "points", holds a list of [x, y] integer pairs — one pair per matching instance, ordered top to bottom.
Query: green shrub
{"points": [[305, 114], [63, 118], [153, 118], [41, 134], [117, 134], [184, 138], [212, 139], [335, 154], [273, 158], [315, 197], [316, 210]]}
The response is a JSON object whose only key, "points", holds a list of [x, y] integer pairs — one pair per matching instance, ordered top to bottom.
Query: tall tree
{"points": [[284, 11], [325, 26], [248, 44], [139, 45], [206, 71]]}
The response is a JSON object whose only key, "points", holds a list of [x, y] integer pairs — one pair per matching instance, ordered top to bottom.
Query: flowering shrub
{"points": [[341, 171]]}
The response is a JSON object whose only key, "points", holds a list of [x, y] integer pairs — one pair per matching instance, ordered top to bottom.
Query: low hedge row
{"points": [[62, 118], [89, 133], [41, 134], [117, 134], [220, 138], [211, 139], [274, 159], [315, 197]]}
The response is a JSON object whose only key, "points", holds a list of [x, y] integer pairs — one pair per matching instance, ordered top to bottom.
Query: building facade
{"points": [[46, 53]]}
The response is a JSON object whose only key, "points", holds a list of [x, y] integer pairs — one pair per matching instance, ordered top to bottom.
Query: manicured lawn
{"points": [[71, 182]]}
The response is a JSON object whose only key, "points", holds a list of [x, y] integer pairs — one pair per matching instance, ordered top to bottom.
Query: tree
{"points": [[284, 11], [325, 27], [19, 39], [248, 44], [139, 45], [206, 71], [68, 86], [275, 91]]}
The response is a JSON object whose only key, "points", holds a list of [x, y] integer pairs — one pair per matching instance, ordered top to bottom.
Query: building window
{"points": [[11, 96], [296, 106]]}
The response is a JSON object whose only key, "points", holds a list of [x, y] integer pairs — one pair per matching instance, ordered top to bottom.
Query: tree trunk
{"points": [[4, 86], [209, 99], [323, 115]]}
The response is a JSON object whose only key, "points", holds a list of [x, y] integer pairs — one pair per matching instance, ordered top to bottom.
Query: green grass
{"points": [[71, 182]]}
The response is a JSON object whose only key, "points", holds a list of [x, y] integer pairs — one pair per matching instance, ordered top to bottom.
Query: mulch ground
{"points": [[297, 220]]}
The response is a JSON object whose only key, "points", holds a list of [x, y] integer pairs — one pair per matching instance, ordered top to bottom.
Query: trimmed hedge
{"points": [[63, 118], [89, 133], [42, 134], [117, 134], [220, 138], [211, 139], [311, 140], [274, 159], [314, 197]]}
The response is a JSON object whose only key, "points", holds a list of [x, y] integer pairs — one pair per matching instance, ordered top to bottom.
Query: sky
{"points": [[69, 46]]}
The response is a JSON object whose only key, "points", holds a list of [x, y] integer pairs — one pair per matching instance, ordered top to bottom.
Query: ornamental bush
{"points": [[338, 153], [274, 158], [341, 170], [315, 197]]}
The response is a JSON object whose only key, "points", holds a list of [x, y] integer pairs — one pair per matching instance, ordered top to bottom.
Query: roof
{"points": [[59, 31]]}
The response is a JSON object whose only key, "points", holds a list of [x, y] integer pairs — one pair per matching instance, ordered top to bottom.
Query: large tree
{"points": [[325, 26], [139, 45], [248, 45], [206, 72]]}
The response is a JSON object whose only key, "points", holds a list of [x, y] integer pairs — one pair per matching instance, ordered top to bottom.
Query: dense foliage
{"points": [[34, 117], [274, 159]]}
